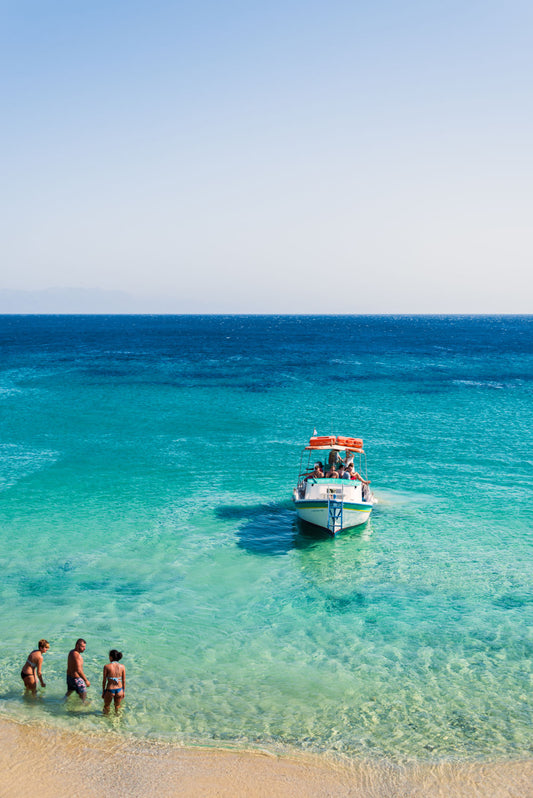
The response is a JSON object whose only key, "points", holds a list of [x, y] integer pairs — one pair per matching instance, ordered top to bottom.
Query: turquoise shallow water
{"points": [[146, 468]]}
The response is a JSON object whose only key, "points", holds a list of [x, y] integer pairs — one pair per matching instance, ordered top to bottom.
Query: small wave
{"points": [[480, 384], [284, 442], [17, 463]]}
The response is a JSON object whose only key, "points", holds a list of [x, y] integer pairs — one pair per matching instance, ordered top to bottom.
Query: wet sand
{"points": [[47, 762]]}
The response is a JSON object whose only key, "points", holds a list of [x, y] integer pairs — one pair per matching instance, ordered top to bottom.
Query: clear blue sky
{"points": [[274, 156]]}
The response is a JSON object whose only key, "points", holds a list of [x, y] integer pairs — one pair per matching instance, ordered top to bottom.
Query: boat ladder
{"points": [[334, 512]]}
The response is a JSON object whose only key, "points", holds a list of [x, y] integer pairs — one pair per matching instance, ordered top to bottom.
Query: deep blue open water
{"points": [[146, 468]]}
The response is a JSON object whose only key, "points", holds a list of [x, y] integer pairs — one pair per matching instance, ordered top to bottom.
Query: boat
{"points": [[329, 502]]}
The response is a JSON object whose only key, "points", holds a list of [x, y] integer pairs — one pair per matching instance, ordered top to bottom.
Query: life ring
{"points": [[324, 440], [350, 443]]}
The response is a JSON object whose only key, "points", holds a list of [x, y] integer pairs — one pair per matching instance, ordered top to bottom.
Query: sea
{"points": [[146, 473]]}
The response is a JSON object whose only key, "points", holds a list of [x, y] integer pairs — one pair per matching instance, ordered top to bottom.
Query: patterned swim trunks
{"points": [[77, 684]]}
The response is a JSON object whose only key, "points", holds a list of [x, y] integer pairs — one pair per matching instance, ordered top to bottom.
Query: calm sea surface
{"points": [[146, 468]]}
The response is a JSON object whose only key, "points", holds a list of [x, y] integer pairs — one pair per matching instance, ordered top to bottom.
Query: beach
{"points": [[52, 763]]}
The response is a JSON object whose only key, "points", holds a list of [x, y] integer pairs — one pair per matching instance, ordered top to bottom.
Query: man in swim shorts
{"points": [[76, 680]]}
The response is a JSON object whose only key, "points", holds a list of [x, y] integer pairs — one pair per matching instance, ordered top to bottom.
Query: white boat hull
{"points": [[333, 505], [319, 515]]}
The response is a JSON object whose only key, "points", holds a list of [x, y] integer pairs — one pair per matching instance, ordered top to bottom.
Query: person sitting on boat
{"points": [[349, 459], [343, 472], [317, 473], [332, 473], [356, 475]]}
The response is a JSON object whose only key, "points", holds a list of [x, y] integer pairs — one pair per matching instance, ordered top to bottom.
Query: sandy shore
{"points": [[48, 762]]}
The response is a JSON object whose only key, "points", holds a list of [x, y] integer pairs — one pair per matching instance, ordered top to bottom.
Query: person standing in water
{"points": [[32, 668], [76, 679], [114, 681]]}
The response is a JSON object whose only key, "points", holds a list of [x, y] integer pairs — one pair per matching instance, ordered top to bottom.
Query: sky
{"points": [[372, 156]]}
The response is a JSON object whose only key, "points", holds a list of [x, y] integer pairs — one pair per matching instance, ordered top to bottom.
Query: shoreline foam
{"points": [[55, 763]]}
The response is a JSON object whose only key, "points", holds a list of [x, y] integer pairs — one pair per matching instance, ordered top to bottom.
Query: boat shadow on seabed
{"points": [[272, 529]]}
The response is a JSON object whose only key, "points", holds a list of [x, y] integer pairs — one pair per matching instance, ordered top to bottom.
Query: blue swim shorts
{"points": [[77, 684]]}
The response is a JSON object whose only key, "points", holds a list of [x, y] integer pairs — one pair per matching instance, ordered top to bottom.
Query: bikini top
{"points": [[30, 663]]}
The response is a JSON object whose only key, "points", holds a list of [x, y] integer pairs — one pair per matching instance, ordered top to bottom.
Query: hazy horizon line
{"points": [[79, 301], [274, 314]]}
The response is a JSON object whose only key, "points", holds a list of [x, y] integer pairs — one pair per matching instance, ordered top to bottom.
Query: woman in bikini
{"points": [[32, 668], [114, 682]]}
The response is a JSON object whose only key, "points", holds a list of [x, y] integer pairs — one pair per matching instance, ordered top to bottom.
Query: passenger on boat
{"points": [[333, 459], [343, 472], [317, 473], [332, 473], [356, 475]]}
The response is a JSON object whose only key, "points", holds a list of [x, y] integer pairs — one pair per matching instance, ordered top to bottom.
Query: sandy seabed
{"points": [[47, 762]]}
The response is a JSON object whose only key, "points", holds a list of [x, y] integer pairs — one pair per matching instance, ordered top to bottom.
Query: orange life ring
{"points": [[324, 440], [351, 443]]}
